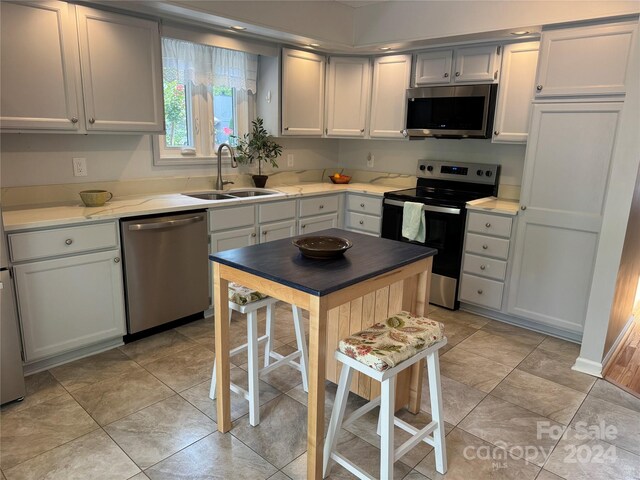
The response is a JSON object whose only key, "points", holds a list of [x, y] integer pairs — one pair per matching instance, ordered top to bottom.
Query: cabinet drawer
{"points": [[362, 204], [316, 205], [271, 212], [225, 218], [368, 223], [490, 224], [62, 241], [491, 246], [485, 267], [481, 291]]}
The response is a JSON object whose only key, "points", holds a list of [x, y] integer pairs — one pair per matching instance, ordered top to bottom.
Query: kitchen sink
{"points": [[243, 193]]}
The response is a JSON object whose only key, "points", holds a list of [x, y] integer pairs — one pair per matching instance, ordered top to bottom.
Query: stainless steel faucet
{"points": [[219, 183]]}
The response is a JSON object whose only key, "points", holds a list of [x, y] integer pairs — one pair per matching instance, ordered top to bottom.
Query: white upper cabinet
{"points": [[48, 47], [585, 60], [477, 64], [433, 67], [121, 72], [38, 77], [391, 77], [349, 80], [515, 92], [302, 93]]}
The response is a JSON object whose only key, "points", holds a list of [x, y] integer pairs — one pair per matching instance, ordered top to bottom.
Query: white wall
{"points": [[401, 156], [46, 159]]}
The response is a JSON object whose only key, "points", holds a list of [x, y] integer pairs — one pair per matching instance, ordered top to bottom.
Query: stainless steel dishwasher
{"points": [[165, 268]]}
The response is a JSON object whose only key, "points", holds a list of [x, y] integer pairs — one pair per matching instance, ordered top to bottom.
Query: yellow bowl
{"points": [[340, 179]]}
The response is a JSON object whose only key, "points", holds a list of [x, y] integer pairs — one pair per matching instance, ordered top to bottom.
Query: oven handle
{"points": [[426, 208]]}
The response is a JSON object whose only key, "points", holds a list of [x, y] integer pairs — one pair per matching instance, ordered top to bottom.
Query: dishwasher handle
{"points": [[166, 223]]}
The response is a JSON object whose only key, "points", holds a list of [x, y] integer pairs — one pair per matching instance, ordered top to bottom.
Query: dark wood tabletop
{"points": [[282, 262]]}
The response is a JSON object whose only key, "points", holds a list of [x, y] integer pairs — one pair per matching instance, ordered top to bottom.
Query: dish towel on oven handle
{"points": [[414, 226]]}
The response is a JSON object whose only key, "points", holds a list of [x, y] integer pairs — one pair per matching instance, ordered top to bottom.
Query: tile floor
{"points": [[142, 411]]}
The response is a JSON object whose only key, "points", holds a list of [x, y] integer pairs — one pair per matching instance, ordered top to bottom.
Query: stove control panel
{"points": [[459, 171]]}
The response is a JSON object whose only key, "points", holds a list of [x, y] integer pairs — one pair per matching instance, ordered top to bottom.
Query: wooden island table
{"points": [[375, 278]]}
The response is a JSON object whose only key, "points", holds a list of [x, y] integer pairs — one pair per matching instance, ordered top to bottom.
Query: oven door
{"points": [[445, 232]]}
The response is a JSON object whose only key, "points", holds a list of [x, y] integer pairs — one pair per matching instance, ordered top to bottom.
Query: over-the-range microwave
{"points": [[461, 111]]}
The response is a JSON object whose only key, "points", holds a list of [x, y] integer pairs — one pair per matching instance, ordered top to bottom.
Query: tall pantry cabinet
{"points": [[579, 97]]}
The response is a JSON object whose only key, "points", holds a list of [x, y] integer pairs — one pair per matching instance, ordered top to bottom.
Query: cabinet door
{"points": [[585, 60], [120, 62], [476, 64], [433, 67], [38, 78], [515, 92], [302, 93], [347, 96], [388, 100], [563, 190], [315, 224], [277, 230], [237, 238], [69, 303]]}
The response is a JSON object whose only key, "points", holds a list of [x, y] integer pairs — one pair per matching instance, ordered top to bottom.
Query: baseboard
{"points": [[612, 353], [589, 367]]}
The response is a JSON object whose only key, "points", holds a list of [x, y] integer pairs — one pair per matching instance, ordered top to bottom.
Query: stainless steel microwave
{"points": [[461, 111]]}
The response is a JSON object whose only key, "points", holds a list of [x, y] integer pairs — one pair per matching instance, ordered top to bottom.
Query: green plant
{"points": [[258, 145]]}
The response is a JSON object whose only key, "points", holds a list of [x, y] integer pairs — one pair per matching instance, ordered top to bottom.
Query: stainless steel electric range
{"points": [[443, 188]]}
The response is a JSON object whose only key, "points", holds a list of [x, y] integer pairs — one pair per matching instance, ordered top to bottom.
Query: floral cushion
{"points": [[242, 295], [385, 345]]}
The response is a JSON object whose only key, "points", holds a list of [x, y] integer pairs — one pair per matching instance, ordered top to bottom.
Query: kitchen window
{"points": [[209, 98]]}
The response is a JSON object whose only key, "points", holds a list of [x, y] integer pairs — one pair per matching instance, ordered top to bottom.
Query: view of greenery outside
{"points": [[175, 113], [224, 114]]}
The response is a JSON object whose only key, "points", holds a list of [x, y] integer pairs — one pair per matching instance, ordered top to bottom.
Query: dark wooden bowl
{"points": [[322, 247]]}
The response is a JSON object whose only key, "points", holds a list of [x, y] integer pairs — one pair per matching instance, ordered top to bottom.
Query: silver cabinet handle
{"points": [[446, 74], [457, 74], [539, 88], [74, 119], [92, 120], [286, 128], [362, 130], [326, 131], [496, 133], [362, 205], [321, 207], [523, 207], [361, 222], [166, 223], [488, 225], [304, 226], [264, 233], [253, 235], [68, 241], [484, 247], [116, 260], [483, 267], [479, 291]]}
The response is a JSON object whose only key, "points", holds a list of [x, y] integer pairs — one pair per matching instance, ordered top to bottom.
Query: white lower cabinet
{"points": [[363, 214], [317, 223], [277, 230], [236, 238], [69, 303]]}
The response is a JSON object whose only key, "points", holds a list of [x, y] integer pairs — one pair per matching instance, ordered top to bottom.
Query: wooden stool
{"points": [[246, 301], [381, 352]]}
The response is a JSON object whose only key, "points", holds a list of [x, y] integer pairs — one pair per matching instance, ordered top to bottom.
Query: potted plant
{"points": [[258, 145]]}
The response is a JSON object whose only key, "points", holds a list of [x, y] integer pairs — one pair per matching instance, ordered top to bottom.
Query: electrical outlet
{"points": [[370, 159], [290, 160], [79, 167]]}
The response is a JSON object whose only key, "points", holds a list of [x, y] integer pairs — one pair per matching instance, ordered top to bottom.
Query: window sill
{"points": [[185, 160]]}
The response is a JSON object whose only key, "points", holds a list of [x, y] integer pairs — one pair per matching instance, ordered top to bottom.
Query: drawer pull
{"points": [[362, 205], [321, 207], [361, 222], [488, 225], [304, 226], [264, 233], [253, 235], [68, 241], [485, 246], [116, 260], [483, 267], [479, 291]]}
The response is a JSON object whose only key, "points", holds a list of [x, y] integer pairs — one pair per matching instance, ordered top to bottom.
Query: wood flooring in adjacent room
{"points": [[624, 368]]}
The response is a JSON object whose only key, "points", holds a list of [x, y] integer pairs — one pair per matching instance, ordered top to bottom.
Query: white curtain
{"points": [[205, 65]]}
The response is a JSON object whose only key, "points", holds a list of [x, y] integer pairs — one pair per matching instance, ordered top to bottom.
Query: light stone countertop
{"points": [[494, 205], [42, 216]]}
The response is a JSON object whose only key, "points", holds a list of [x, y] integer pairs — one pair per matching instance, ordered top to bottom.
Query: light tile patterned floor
{"points": [[142, 411]]}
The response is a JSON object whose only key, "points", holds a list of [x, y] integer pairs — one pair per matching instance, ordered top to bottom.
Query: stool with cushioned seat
{"points": [[247, 301], [381, 352]]}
